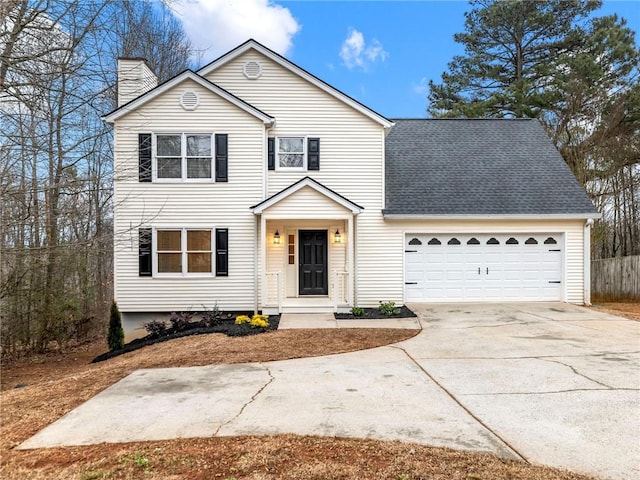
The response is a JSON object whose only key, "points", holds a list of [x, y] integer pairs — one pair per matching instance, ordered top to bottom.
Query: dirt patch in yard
{"points": [[628, 310], [51, 385], [283, 457]]}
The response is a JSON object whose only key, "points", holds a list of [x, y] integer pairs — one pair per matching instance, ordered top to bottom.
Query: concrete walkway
{"points": [[549, 383]]}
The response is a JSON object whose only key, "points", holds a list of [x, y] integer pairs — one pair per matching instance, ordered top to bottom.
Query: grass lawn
{"points": [[52, 385]]}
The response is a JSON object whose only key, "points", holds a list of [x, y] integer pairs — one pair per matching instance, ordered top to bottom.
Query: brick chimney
{"points": [[134, 78]]}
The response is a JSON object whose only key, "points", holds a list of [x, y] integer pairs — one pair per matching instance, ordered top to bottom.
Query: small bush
{"points": [[388, 308], [357, 311], [180, 321], [155, 327], [115, 338]]}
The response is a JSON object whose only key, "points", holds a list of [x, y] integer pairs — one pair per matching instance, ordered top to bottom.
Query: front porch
{"points": [[306, 245], [308, 267]]}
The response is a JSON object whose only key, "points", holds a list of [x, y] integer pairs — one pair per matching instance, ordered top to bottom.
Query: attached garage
{"points": [[485, 210], [483, 267]]}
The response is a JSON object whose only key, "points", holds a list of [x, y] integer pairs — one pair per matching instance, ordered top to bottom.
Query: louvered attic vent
{"points": [[252, 69], [189, 100]]}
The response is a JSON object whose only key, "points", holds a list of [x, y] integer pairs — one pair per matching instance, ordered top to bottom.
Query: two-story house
{"points": [[255, 185]]}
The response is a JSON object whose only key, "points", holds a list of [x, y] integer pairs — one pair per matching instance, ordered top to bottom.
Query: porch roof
{"points": [[311, 183]]}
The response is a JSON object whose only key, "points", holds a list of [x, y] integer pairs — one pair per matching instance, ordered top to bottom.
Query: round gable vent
{"points": [[252, 69], [189, 100]]}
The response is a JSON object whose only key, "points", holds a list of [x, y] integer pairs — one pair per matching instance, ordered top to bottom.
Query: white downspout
{"points": [[587, 261]]}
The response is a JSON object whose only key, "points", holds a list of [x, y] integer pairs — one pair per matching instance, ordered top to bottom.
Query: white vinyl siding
{"points": [[351, 144], [307, 203], [176, 205]]}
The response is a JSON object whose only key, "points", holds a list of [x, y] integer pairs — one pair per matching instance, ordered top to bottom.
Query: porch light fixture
{"points": [[276, 238], [337, 238]]}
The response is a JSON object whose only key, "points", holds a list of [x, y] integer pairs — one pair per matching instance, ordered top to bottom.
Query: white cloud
{"points": [[216, 26], [355, 53], [422, 87]]}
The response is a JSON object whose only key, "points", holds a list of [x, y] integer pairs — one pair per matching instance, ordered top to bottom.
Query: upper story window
{"points": [[291, 152], [183, 157]]}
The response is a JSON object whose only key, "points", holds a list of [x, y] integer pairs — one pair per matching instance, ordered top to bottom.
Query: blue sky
{"points": [[382, 53]]}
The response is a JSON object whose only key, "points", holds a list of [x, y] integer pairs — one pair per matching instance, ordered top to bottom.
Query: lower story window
{"points": [[184, 251]]}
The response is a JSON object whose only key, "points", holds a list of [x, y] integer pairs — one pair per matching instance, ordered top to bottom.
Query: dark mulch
{"points": [[374, 313], [226, 326]]}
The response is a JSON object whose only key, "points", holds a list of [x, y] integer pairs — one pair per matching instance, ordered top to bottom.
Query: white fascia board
{"points": [[252, 44], [188, 75], [307, 182], [553, 216]]}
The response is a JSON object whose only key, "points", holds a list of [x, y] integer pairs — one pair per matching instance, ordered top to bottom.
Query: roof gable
{"points": [[290, 66], [178, 79], [458, 168], [310, 183]]}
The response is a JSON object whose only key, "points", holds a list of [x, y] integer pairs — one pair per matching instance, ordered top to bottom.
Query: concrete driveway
{"points": [[550, 383]]}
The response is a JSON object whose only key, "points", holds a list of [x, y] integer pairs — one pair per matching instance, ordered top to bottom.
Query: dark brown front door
{"points": [[313, 262]]}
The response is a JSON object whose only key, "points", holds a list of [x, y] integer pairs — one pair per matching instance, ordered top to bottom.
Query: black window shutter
{"points": [[271, 153], [313, 154], [144, 157], [221, 157], [222, 252], [145, 257]]}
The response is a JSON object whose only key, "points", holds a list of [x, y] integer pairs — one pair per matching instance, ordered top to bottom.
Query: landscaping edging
{"points": [[375, 314], [227, 327]]}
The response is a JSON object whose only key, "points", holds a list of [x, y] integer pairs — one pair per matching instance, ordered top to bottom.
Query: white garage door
{"points": [[466, 267]]}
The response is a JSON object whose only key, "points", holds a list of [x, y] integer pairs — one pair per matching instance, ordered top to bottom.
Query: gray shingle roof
{"points": [[478, 167]]}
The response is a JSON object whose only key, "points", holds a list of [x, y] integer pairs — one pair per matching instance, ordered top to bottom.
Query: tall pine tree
{"points": [[578, 73]]}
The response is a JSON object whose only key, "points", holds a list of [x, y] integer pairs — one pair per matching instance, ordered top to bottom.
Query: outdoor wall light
{"points": [[276, 238], [337, 238]]}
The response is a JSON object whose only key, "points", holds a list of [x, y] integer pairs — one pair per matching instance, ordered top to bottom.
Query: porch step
{"points": [[307, 309]]}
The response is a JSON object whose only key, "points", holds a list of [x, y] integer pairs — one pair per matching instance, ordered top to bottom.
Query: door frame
{"points": [[326, 261]]}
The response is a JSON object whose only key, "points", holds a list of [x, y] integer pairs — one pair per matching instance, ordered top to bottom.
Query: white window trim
{"points": [[304, 153], [183, 156], [183, 246]]}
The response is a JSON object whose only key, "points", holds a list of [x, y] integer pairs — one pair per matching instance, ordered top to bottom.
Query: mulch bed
{"points": [[374, 313], [226, 326]]}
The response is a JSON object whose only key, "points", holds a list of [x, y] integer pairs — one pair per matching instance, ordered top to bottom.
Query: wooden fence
{"points": [[616, 279]]}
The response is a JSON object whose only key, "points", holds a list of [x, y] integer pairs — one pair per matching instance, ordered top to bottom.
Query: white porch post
{"points": [[351, 245], [263, 259]]}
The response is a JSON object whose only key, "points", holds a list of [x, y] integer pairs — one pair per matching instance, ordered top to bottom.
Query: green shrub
{"points": [[388, 308], [357, 311], [115, 338]]}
